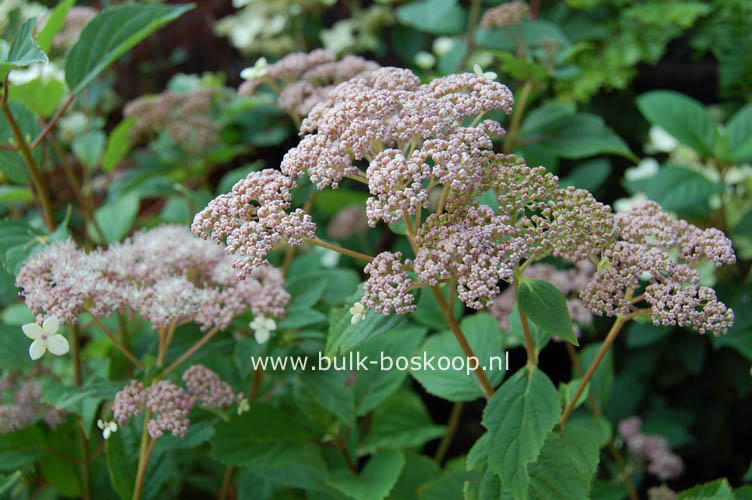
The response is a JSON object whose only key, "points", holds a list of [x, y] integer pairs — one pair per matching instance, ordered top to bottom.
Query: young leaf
{"points": [[439, 17], [54, 23], [110, 34], [22, 51], [682, 117], [118, 144], [88, 148], [115, 218], [545, 306], [519, 418]]}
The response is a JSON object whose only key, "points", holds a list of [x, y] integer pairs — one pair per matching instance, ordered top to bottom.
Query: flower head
{"points": [[358, 312], [262, 328], [45, 338], [206, 386], [243, 406], [107, 428]]}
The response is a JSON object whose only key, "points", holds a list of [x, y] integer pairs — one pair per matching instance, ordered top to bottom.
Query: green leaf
{"points": [[439, 17], [54, 23], [531, 33], [110, 34], [22, 51], [41, 95], [547, 115], [682, 117], [739, 134], [118, 144], [89, 148], [12, 165], [589, 175], [677, 188], [15, 194], [115, 218], [545, 306], [427, 311], [298, 317], [344, 336], [540, 337], [436, 373], [603, 378], [372, 387], [330, 389], [567, 391], [519, 418], [400, 422], [197, 434], [235, 441], [21, 447], [566, 464], [121, 468], [418, 470], [58, 472], [375, 480], [449, 485], [713, 490]]}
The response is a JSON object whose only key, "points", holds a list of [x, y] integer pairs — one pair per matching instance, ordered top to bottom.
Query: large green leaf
{"points": [[440, 17], [530, 33], [110, 34], [22, 51], [682, 117], [739, 134], [118, 144], [12, 165], [677, 189], [115, 218], [545, 306], [435, 372], [331, 389], [519, 418], [401, 422], [21, 447], [120, 465], [418, 470], [375, 480], [713, 490]]}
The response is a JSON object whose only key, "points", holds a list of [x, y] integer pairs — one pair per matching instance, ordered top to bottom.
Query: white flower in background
{"points": [[340, 37], [443, 45], [425, 60], [256, 71], [45, 72], [489, 75], [72, 125], [661, 141], [646, 169], [738, 175], [626, 204], [330, 258], [358, 312], [262, 328], [45, 338], [243, 406], [107, 428]]}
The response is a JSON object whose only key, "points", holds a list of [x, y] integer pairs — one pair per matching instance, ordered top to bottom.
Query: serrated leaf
{"points": [[54, 23], [110, 34], [22, 51], [682, 117], [545, 306], [519, 418], [375, 480], [713, 490]]}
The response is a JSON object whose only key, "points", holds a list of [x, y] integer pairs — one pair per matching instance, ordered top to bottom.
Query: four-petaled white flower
{"points": [[443, 45], [257, 71], [489, 75], [358, 312], [262, 328], [45, 338], [243, 406], [107, 428]]}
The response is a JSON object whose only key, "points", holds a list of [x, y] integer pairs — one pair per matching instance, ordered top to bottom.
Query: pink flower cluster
{"points": [[505, 14], [306, 79], [252, 219], [658, 252], [166, 274], [569, 282], [388, 285], [21, 398], [169, 404], [662, 462]]}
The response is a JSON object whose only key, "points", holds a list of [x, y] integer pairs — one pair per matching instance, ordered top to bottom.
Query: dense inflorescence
{"points": [[505, 14], [305, 79], [658, 252], [167, 275], [210, 390], [21, 398], [662, 462]]}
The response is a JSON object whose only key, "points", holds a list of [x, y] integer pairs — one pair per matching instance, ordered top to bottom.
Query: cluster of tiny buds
{"points": [[505, 14], [658, 252], [388, 286], [23, 404], [170, 405], [662, 462]]}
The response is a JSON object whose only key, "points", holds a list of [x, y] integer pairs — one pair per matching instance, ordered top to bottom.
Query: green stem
{"points": [[510, 142], [23, 147], [342, 250], [610, 337], [128, 354], [187, 354], [532, 354], [446, 440], [82, 441], [145, 449], [226, 483]]}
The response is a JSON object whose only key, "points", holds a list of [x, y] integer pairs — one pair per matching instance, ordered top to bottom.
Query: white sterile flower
{"points": [[340, 37], [443, 45], [425, 60], [256, 71], [489, 75], [662, 141], [647, 168], [626, 204], [330, 258], [358, 312], [262, 328], [45, 338], [243, 406], [107, 428]]}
